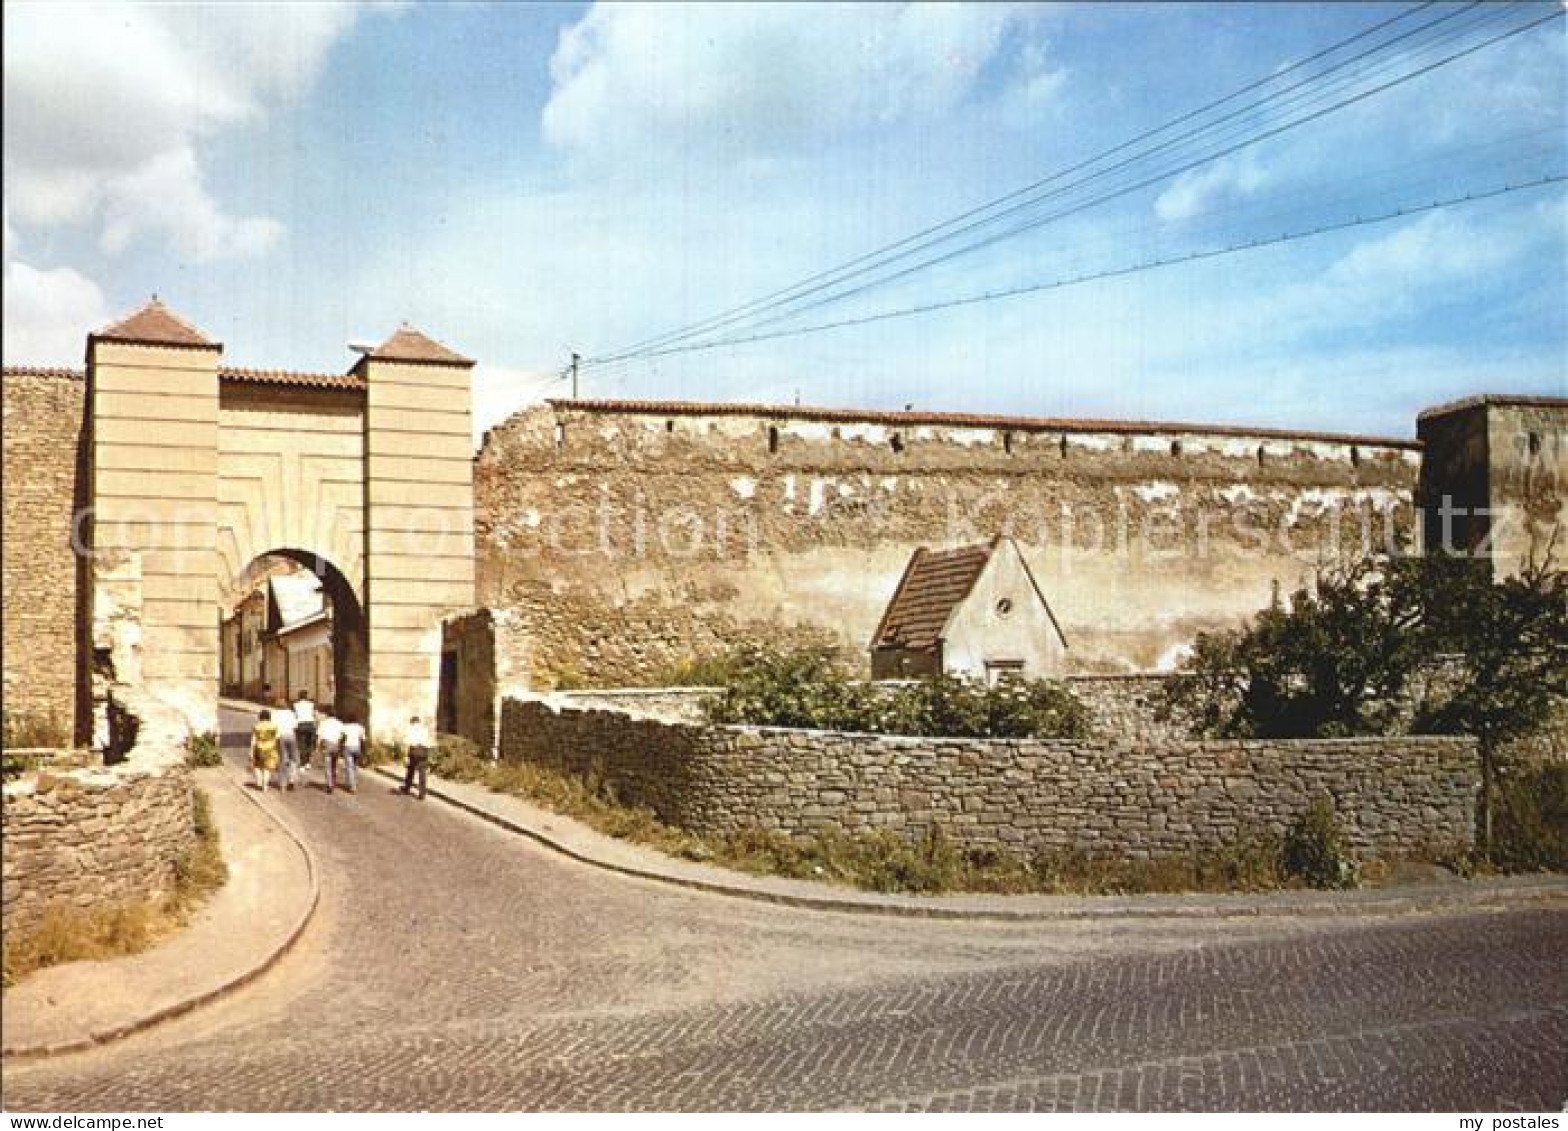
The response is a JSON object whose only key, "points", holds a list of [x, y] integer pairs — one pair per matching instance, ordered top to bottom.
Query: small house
{"points": [[975, 611]]}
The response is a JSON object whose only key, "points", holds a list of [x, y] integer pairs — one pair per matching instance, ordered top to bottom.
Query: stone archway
{"points": [[199, 468], [350, 635]]}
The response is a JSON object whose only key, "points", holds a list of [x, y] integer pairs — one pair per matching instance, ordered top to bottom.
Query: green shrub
{"points": [[810, 688], [202, 750], [382, 753], [458, 759], [13, 765], [1531, 824], [1315, 850]]}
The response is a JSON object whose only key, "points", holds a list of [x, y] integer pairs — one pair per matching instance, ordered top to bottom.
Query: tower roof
{"points": [[156, 325], [409, 344]]}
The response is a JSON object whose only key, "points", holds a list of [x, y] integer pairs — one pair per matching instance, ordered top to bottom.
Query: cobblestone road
{"points": [[454, 966]]}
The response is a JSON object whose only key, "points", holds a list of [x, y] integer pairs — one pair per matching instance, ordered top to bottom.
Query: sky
{"points": [[525, 181]]}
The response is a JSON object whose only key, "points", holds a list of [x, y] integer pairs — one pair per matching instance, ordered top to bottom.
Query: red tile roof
{"points": [[156, 325], [408, 344], [58, 371], [227, 374], [350, 381], [968, 420], [934, 584]]}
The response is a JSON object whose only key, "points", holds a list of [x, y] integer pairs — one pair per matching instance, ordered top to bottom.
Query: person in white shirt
{"points": [[305, 716], [329, 740], [288, 744], [353, 748], [418, 756]]}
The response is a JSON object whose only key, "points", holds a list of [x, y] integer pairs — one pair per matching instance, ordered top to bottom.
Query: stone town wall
{"points": [[44, 470], [632, 538], [1395, 796], [93, 837]]}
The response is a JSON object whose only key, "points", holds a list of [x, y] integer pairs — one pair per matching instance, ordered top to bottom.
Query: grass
{"points": [[24, 729], [876, 860], [68, 934]]}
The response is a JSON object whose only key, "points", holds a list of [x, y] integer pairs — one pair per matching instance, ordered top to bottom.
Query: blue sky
{"points": [[523, 180]]}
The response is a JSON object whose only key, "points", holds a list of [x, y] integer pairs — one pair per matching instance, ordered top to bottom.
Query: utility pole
{"points": [[576, 358]]}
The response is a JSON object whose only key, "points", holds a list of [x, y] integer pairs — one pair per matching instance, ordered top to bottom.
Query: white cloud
{"points": [[750, 79], [119, 143], [1199, 189], [166, 195], [47, 313]]}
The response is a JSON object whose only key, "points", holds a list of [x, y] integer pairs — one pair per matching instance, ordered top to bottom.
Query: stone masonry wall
{"points": [[43, 473], [635, 536], [1395, 796], [95, 837]]}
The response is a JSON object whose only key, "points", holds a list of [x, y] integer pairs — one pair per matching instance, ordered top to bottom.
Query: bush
{"points": [[810, 688], [202, 750], [458, 759], [1531, 829], [1315, 850]]}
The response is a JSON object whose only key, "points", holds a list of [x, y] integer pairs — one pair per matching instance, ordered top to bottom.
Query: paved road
{"points": [[455, 966]]}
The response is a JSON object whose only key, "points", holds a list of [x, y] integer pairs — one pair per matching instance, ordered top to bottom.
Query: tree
{"points": [[1508, 641], [1338, 659], [1332, 662]]}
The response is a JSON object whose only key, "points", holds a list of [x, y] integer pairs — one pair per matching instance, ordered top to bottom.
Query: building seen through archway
{"points": [[291, 623]]}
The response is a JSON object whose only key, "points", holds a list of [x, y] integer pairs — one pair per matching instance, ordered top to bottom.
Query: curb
{"points": [[1325, 908], [189, 1005]]}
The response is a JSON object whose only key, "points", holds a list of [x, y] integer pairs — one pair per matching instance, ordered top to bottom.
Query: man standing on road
{"points": [[305, 730], [329, 740], [288, 744], [353, 748], [418, 756]]}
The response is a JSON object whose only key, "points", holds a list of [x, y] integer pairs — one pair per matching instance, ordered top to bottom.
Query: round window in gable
{"points": [[1004, 606]]}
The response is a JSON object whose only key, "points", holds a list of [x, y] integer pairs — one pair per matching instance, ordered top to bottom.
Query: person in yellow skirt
{"points": [[264, 749]]}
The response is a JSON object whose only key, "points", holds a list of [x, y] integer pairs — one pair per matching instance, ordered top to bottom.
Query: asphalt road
{"points": [[454, 966]]}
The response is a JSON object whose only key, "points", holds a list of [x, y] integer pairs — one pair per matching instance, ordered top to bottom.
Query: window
{"points": [[1004, 607], [998, 672]]}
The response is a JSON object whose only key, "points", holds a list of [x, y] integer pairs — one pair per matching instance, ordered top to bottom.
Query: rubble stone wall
{"points": [[45, 469], [631, 539], [1394, 796], [104, 835]]}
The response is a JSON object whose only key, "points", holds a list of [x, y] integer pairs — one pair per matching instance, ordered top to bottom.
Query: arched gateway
{"points": [[198, 469]]}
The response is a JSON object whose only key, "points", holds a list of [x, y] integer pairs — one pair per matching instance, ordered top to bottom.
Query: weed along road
{"points": [[457, 966]]}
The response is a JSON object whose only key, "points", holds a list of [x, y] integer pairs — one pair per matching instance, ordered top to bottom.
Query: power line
{"points": [[1026, 189], [1339, 191], [1031, 224], [1149, 265], [843, 272]]}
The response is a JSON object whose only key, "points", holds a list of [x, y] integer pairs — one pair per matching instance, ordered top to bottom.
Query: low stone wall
{"points": [[1395, 796], [100, 835]]}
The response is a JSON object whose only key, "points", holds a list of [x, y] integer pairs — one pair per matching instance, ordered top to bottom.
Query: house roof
{"points": [[156, 325], [408, 344], [61, 372], [227, 374], [351, 381], [968, 420], [934, 584], [296, 596]]}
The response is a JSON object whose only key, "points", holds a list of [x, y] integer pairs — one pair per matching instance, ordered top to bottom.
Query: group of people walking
{"points": [[287, 739]]}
